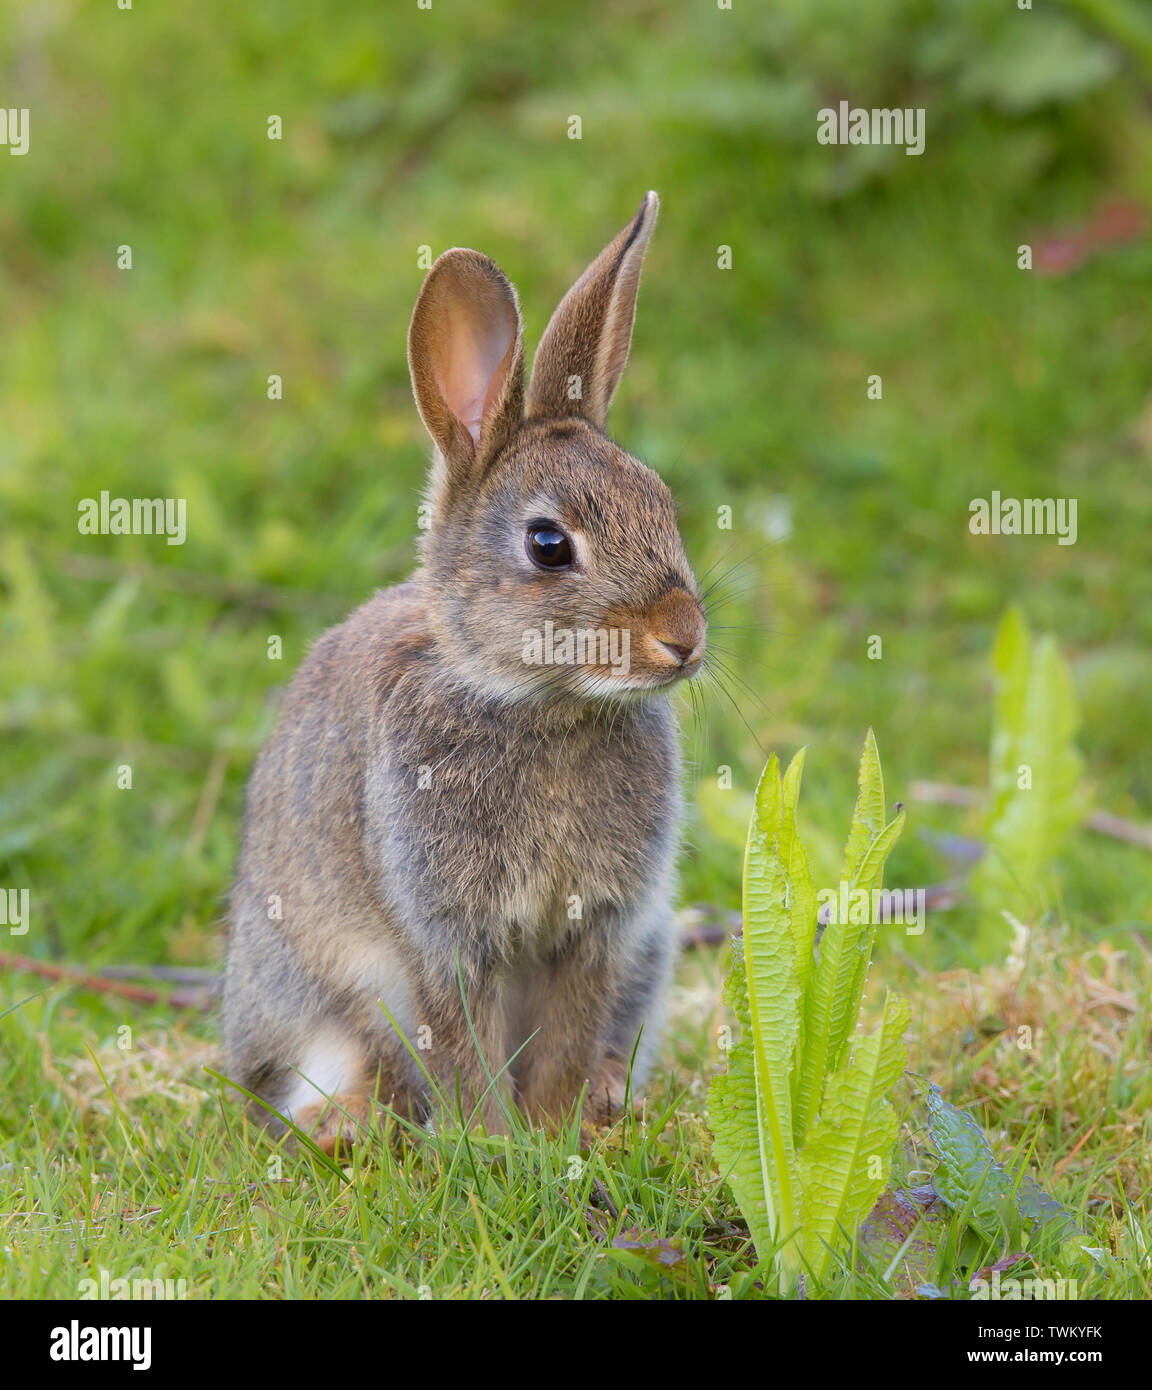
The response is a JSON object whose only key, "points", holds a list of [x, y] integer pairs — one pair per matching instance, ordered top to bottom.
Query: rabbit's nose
{"points": [[677, 627], [678, 651]]}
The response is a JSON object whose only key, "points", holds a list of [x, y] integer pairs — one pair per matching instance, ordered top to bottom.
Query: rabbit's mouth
{"points": [[625, 653], [683, 661], [657, 666], [595, 689]]}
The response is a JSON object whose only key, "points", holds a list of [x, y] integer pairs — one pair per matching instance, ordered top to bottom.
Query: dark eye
{"points": [[548, 547]]}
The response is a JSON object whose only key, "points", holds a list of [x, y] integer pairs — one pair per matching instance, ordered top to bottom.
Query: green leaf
{"points": [[1011, 662], [1036, 793], [868, 817], [802, 904], [855, 963], [770, 987], [832, 1001], [750, 1107], [733, 1116], [846, 1161], [969, 1178], [997, 1204]]}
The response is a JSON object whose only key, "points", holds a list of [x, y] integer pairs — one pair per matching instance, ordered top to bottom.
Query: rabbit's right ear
{"points": [[585, 346], [466, 358]]}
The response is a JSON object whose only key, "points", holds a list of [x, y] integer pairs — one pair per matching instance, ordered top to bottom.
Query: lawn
{"points": [[748, 390]]}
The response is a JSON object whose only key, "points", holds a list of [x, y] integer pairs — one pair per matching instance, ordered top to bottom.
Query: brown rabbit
{"points": [[469, 810]]}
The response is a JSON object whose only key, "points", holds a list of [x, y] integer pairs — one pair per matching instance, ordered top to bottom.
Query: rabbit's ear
{"points": [[585, 346], [467, 361]]}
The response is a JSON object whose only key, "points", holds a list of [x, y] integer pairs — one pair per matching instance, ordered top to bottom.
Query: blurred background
{"points": [[747, 389]]}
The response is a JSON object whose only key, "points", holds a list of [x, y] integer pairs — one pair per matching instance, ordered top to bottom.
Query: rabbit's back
{"points": [[311, 932]]}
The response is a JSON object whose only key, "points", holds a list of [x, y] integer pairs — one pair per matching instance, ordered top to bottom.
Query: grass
{"points": [[747, 389], [137, 1162]]}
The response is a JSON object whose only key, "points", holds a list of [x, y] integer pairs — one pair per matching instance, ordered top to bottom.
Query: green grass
{"points": [[747, 389], [137, 1162]]}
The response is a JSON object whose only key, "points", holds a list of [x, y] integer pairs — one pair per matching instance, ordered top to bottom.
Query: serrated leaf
{"points": [[1011, 662], [1035, 723], [868, 816], [802, 905], [854, 963], [832, 1000], [750, 1107], [751, 1111], [734, 1120], [846, 1160], [969, 1178]]}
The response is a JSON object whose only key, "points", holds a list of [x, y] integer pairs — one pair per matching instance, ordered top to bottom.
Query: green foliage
{"points": [[1127, 22], [299, 257], [1036, 791], [832, 1005], [753, 1101], [802, 1124], [846, 1158], [1013, 1210]]}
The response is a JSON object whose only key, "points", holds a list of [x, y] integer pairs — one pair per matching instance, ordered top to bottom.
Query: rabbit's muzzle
{"points": [[675, 635]]}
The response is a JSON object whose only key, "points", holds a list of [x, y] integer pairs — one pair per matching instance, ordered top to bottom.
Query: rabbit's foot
{"points": [[607, 1093], [339, 1123]]}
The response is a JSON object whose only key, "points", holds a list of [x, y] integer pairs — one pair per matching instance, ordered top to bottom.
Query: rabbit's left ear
{"points": [[585, 346]]}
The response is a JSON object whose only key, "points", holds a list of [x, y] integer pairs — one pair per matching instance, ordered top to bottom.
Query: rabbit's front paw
{"points": [[607, 1093], [337, 1124]]}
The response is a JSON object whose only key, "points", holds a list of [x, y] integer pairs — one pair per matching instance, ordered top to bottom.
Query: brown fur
{"points": [[433, 812]]}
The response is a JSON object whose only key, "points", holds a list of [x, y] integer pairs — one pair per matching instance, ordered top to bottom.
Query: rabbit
{"points": [[460, 831]]}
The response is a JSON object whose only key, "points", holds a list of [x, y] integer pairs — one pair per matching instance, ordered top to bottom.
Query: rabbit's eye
{"points": [[548, 547]]}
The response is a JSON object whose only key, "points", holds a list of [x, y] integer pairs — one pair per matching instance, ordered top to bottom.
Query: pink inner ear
{"points": [[479, 336]]}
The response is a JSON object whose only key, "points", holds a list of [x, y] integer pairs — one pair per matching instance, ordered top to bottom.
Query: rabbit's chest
{"points": [[534, 839]]}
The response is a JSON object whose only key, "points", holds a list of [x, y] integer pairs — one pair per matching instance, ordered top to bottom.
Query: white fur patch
{"points": [[377, 973], [330, 1063]]}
